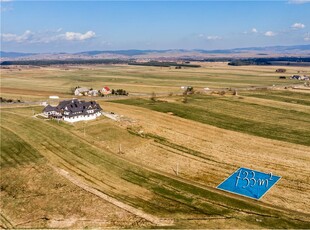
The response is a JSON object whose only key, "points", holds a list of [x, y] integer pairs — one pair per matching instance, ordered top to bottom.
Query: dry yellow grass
{"points": [[38, 83], [227, 150], [119, 175], [35, 196]]}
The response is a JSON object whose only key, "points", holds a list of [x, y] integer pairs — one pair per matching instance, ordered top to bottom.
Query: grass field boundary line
{"points": [[137, 212], [5, 222]]}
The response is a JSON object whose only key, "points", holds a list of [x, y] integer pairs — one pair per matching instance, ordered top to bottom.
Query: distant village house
{"points": [[280, 70], [299, 77], [106, 90], [81, 91], [93, 93]]}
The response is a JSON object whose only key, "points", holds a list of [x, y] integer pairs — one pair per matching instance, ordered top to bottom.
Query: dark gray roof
{"points": [[75, 107], [50, 108]]}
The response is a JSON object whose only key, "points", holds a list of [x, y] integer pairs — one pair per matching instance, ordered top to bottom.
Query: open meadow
{"points": [[40, 82], [158, 166]]}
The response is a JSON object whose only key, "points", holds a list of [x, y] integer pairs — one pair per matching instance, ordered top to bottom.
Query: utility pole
{"points": [[120, 149]]}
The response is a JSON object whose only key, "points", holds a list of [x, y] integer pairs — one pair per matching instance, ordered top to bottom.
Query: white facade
{"points": [[82, 117]]}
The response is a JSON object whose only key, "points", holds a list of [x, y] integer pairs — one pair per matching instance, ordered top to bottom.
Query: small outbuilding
{"points": [[280, 70]]}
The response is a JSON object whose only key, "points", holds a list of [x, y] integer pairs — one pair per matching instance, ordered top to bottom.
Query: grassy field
{"points": [[39, 83], [282, 96], [235, 113], [15, 151], [60, 175], [153, 192], [33, 195]]}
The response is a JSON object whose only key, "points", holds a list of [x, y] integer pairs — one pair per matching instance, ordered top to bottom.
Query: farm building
{"points": [[280, 70], [299, 77], [188, 89], [106, 90], [82, 91], [93, 92], [73, 110]]}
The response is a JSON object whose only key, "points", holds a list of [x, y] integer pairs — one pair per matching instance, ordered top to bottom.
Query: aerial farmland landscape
{"points": [[181, 137]]}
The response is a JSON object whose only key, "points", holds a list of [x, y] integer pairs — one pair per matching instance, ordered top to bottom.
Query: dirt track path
{"points": [[137, 212]]}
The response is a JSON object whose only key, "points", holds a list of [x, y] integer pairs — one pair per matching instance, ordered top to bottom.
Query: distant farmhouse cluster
{"points": [[293, 77], [301, 78], [105, 91], [73, 110]]}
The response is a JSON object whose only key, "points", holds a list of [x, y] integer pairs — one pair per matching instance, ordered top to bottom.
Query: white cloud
{"points": [[5, 0], [298, 1], [298, 25], [252, 31], [270, 34], [26, 36], [47, 36], [72, 36], [8, 37], [205, 37], [307, 37], [214, 38]]}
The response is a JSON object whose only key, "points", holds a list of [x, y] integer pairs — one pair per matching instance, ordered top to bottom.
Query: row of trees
{"points": [[270, 61], [163, 64], [119, 92], [5, 100]]}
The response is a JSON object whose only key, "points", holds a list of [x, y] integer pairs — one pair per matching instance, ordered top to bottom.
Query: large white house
{"points": [[73, 110]]}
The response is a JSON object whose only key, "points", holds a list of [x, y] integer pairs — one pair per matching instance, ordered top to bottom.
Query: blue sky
{"points": [[73, 26]]}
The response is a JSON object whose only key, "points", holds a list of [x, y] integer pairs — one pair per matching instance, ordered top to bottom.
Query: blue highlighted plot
{"points": [[249, 183]]}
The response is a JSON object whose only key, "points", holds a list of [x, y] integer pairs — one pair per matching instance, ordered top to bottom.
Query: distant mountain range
{"points": [[271, 51], [14, 54]]}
